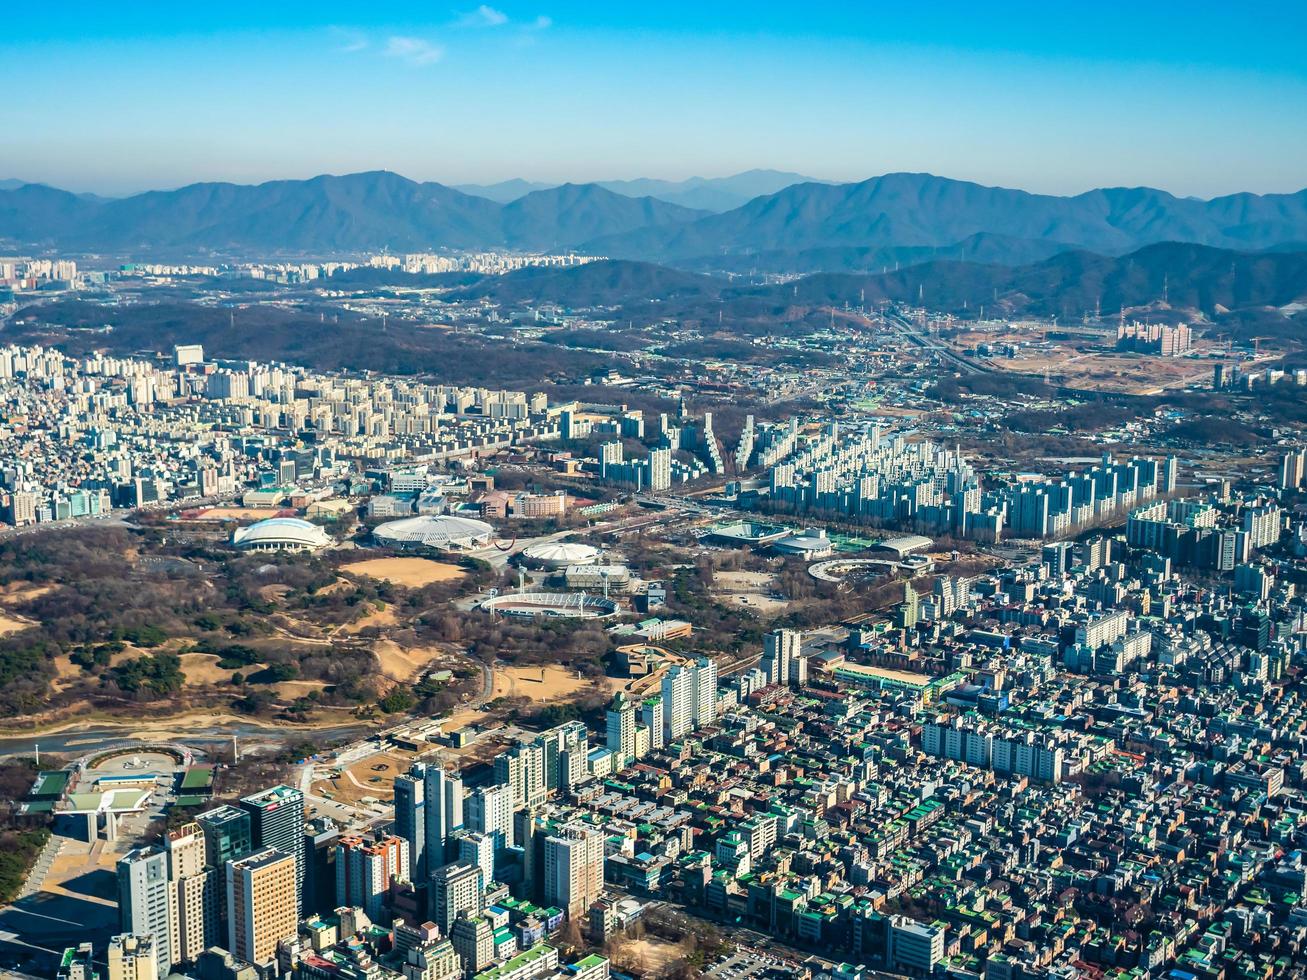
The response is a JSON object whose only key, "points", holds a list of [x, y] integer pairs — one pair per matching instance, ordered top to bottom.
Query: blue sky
{"points": [[1198, 98]]}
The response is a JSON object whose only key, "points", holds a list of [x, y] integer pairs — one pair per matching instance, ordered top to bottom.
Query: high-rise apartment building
{"points": [[660, 469], [780, 648], [704, 694], [678, 707], [651, 718], [620, 737], [565, 750], [522, 767], [443, 806], [490, 812], [477, 848], [574, 868], [364, 869], [457, 887], [196, 892], [145, 903], [262, 904], [473, 939], [433, 960]]}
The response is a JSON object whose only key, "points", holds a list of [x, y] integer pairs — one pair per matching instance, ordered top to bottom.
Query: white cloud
{"points": [[484, 16], [542, 22], [350, 42], [413, 50]]}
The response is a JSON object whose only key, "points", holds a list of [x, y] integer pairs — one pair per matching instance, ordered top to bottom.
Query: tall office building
{"points": [[779, 649], [704, 695], [678, 710], [620, 738], [443, 806], [490, 812], [411, 818], [277, 820], [227, 834], [574, 868], [364, 870], [457, 887], [319, 891], [196, 892], [145, 902], [262, 904], [133, 957]]}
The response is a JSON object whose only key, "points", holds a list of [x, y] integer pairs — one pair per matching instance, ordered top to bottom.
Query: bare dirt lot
{"points": [[237, 513], [411, 572], [748, 590], [385, 616], [12, 624], [403, 665], [201, 669], [547, 683], [356, 781], [648, 956]]}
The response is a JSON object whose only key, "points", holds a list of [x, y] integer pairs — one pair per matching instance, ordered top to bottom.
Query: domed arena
{"points": [[439, 532], [280, 534], [554, 555]]}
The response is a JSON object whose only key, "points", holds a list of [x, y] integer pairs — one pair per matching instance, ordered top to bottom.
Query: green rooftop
{"points": [[532, 955]]}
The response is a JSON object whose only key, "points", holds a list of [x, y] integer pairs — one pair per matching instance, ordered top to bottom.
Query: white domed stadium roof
{"points": [[435, 531], [280, 532], [560, 554]]}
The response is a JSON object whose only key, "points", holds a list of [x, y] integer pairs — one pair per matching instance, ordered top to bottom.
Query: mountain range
{"points": [[700, 193], [326, 214], [805, 227], [1191, 280]]}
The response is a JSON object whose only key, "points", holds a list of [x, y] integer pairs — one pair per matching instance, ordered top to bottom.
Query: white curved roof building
{"points": [[435, 531], [280, 534], [811, 543], [559, 554]]}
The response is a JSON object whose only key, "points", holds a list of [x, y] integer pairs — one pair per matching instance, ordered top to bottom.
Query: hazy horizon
{"points": [[456, 184]]}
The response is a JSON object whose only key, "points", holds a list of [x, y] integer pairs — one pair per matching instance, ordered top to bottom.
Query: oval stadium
{"points": [[551, 605]]}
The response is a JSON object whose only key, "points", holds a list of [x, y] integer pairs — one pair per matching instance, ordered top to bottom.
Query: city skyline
{"points": [[558, 92]]}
